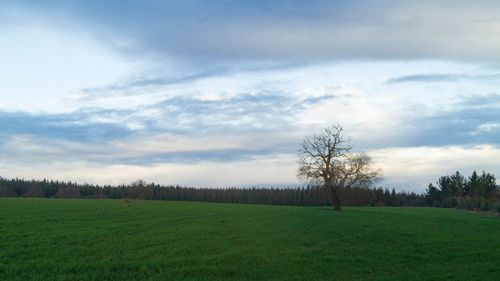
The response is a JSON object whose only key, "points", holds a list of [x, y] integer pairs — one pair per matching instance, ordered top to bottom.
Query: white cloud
{"points": [[42, 68], [486, 128], [222, 130], [413, 168], [409, 169], [259, 172]]}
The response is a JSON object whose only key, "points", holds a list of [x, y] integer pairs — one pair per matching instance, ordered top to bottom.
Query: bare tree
{"points": [[327, 159]]}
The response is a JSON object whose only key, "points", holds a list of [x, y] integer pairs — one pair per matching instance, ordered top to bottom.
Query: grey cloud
{"points": [[204, 32], [424, 78], [430, 78], [155, 82], [125, 87], [316, 100], [491, 100], [260, 111], [263, 111], [265, 115], [469, 120], [74, 126], [459, 126], [90, 134], [25, 150], [189, 157]]}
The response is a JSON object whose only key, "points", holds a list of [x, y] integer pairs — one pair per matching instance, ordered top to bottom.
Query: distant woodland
{"points": [[477, 192], [304, 196]]}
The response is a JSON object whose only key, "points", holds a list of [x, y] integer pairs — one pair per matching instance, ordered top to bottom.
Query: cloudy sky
{"points": [[221, 93]]}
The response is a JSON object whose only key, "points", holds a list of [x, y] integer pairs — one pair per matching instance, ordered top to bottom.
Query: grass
{"points": [[57, 239]]}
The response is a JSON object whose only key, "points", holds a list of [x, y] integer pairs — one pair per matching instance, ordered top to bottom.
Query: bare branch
{"points": [[326, 159]]}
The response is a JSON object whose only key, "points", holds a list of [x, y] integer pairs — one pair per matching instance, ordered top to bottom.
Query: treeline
{"points": [[477, 192], [303, 196]]}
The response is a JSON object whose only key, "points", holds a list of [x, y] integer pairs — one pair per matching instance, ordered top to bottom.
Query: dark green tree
{"points": [[433, 195]]}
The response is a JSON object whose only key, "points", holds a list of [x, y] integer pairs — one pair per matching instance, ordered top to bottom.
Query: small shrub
{"points": [[450, 202], [476, 203], [485, 205], [496, 207]]}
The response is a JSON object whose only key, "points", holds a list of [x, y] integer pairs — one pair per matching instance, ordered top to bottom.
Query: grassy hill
{"points": [[57, 239]]}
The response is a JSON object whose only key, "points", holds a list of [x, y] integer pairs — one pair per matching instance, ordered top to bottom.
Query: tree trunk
{"points": [[335, 201]]}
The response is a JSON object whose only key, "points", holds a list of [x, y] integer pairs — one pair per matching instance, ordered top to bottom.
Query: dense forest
{"points": [[477, 192], [305, 196]]}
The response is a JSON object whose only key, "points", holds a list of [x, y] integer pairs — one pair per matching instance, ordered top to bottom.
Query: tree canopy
{"points": [[326, 159]]}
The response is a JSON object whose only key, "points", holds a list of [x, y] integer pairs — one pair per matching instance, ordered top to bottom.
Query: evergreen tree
{"points": [[472, 185], [433, 195]]}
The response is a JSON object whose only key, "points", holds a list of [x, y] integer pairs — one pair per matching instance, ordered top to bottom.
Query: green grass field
{"points": [[57, 239]]}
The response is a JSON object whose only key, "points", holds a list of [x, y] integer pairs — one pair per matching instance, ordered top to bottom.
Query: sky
{"points": [[221, 93]]}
